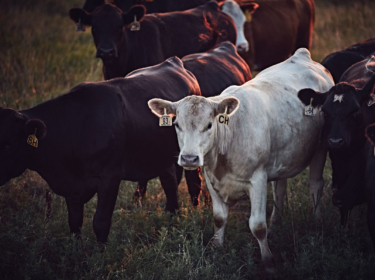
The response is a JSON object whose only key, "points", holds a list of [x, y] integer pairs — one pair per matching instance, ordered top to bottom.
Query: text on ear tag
{"points": [[248, 16], [135, 25], [80, 26], [372, 101], [310, 110], [224, 118], [165, 120], [32, 140]]}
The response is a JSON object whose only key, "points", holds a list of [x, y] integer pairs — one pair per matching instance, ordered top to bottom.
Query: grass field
{"points": [[42, 56]]}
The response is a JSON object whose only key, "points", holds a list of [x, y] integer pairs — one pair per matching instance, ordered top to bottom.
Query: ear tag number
{"points": [[248, 16], [135, 25], [80, 26], [372, 101], [310, 110], [224, 118], [165, 120], [32, 140]]}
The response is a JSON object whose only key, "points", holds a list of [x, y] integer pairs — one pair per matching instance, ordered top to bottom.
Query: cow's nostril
{"points": [[336, 142], [189, 160]]}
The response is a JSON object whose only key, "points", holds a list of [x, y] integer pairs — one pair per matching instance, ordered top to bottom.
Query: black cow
{"points": [[154, 6], [160, 36], [338, 62], [218, 69], [347, 112], [97, 135], [370, 180]]}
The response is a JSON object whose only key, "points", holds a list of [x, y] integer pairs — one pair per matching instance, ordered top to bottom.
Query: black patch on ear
{"points": [[137, 10], [77, 14], [306, 94], [33, 124], [370, 134]]}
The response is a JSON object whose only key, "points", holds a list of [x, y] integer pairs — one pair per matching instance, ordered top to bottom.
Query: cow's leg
{"points": [[179, 171], [316, 177], [169, 183], [194, 183], [141, 190], [279, 190], [107, 194], [220, 211], [75, 213], [371, 218], [257, 221]]}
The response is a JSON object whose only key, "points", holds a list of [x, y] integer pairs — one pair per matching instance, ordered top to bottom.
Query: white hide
{"points": [[232, 9], [268, 139]]}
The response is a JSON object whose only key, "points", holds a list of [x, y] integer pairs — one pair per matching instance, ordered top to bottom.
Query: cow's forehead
{"points": [[106, 14], [341, 100], [194, 106]]}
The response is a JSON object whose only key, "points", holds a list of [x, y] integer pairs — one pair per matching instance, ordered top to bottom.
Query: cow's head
{"points": [[232, 9], [107, 26], [342, 110], [196, 124], [15, 129]]}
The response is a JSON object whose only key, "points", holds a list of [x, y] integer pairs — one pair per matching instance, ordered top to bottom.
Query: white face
{"points": [[232, 9], [196, 124]]}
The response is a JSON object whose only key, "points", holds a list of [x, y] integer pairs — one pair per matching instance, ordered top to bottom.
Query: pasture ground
{"points": [[41, 57]]}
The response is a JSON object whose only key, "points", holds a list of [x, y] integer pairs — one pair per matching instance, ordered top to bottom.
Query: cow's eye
{"points": [[177, 126], [209, 126]]}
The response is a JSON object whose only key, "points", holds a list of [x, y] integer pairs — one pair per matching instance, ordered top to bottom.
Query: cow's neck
{"points": [[348, 163]]}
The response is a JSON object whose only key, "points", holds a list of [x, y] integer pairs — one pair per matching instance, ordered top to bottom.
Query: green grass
{"points": [[42, 56]]}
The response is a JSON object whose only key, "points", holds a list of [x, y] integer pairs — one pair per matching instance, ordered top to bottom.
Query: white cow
{"points": [[232, 9], [268, 138]]}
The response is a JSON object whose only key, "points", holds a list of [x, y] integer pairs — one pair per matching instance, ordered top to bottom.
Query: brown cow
{"points": [[275, 29]]}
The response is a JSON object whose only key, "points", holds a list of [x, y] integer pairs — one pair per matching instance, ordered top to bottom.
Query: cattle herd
{"points": [[190, 60]]}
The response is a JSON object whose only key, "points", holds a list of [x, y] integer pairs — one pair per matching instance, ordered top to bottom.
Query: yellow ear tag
{"points": [[248, 16], [135, 25], [80, 26], [310, 110], [224, 118], [165, 120], [32, 140]]}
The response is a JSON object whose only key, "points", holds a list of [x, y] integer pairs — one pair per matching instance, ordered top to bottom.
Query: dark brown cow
{"points": [[276, 30], [160, 36]]}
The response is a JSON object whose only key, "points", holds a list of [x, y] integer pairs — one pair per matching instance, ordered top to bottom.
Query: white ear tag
{"points": [[135, 25], [372, 101], [310, 110], [224, 118], [165, 120]]}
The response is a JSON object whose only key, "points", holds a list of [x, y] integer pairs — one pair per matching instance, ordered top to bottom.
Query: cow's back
{"points": [[218, 69], [270, 125]]}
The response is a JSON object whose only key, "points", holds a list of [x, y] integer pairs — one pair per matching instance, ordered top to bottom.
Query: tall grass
{"points": [[42, 56]]}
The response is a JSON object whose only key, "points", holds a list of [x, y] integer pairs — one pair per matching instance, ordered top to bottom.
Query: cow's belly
{"points": [[291, 155]]}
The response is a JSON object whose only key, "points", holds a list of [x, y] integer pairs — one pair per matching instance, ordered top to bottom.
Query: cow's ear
{"points": [[249, 7], [135, 12], [80, 16], [367, 90], [306, 94], [231, 104], [158, 105], [37, 127], [370, 133]]}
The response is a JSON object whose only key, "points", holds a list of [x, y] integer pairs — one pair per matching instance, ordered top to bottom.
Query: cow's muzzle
{"points": [[106, 54], [336, 143], [190, 161]]}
